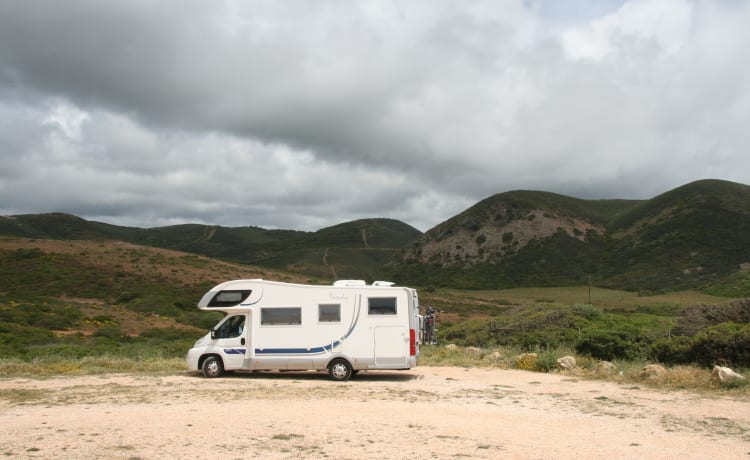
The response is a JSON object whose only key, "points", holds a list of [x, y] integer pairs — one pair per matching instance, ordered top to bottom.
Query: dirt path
{"points": [[325, 263], [423, 413]]}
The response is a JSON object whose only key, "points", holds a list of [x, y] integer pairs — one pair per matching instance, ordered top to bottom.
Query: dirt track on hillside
{"points": [[427, 412]]}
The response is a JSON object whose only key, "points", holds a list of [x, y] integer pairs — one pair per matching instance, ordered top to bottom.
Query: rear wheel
{"points": [[212, 367], [340, 370]]}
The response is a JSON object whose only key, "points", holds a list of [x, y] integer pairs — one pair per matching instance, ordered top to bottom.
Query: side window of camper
{"points": [[381, 306], [329, 313], [281, 316], [232, 327]]}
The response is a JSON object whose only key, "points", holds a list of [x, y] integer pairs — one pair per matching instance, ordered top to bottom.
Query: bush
{"points": [[110, 332], [168, 334], [726, 343], [610, 344], [677, 350], [527, 361], [546, 361]]}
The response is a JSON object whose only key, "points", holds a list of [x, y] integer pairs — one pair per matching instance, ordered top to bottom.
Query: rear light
{"points": [[412, 342]]}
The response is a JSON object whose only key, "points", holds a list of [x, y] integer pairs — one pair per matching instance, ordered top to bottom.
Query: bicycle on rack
{"points": [[429, 326]]}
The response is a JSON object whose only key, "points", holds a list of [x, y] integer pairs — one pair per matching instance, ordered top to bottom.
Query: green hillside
{"points": [[697, 235], [358, 249], [76, 298], [63, 300]]}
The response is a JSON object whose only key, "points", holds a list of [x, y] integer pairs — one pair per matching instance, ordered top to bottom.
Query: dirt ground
{"points": [[428, 412]]}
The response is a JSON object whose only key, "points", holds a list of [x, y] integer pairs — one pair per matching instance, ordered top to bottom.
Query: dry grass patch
{"points": [[682, 377]]}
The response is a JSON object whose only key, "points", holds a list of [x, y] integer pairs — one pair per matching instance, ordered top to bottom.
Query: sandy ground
{"points": [[427, 412]]}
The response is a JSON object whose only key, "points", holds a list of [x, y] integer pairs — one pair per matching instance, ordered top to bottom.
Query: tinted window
{"points": [[229, 298], [381, 305], [329, 313], [280, 316], [232, 327]]}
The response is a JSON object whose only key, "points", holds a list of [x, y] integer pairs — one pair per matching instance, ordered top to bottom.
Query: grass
{"points": [[89, 365]]}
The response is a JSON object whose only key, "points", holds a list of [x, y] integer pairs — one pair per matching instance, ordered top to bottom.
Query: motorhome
{"points": [[343, 328]]}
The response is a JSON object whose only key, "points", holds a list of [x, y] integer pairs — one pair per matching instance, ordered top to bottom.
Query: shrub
{"points": [[587, 311], [110, 332], [726, 343], [610, 344], [676, 350], [527, 361], [546, 361]]}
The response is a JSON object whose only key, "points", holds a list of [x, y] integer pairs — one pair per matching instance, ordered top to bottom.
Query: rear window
{"points": [[381, 306]]}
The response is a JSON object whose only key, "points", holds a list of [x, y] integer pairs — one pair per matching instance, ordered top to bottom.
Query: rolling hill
{"points": [[692, 236], [695, 236], [357, 249]]}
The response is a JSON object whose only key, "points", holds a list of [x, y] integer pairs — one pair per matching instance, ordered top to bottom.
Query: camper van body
{"points": [[343, 328]]}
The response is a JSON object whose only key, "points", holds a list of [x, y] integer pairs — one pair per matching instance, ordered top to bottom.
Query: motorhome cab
{"points": [[343, 328]]}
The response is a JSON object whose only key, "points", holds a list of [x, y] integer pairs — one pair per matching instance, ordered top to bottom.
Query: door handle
{"points": [[242, 341]]}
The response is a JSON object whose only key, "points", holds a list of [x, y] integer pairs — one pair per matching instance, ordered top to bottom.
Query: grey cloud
{"points": [[307, 114]]}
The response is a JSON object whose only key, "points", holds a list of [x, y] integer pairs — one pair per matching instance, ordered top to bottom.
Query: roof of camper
{"points": [[338, 284]]}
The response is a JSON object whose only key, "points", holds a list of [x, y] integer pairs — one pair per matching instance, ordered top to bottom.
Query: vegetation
{"points": [[693, 237], [358, 249], [667, 280], [678, 328], [688, 377]]}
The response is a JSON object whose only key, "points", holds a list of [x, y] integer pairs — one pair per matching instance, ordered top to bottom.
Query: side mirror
{"points": [[213, 333]]}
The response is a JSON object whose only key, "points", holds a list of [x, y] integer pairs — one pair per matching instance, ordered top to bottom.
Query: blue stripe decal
{"points": [[316, 350], [234, 351], [295, 351]]}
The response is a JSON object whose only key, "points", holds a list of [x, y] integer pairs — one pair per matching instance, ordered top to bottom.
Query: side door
{"points": [[390, 336], [231, 338], [391, 346]]}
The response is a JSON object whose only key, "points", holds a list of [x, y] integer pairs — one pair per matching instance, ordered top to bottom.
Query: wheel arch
{"points": [[208, 355]]}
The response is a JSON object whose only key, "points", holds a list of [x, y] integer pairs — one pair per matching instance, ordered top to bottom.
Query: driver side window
{"points": [[230, 328]]}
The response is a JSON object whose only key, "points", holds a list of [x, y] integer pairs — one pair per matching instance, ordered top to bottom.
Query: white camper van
{"points": [[343, 328]]}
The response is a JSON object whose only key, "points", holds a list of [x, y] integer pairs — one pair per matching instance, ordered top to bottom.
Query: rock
{"points": [[451, 347], [472, 351], [494, 356], [566, 362], [605, 367], [652, 370], [725, 375]]}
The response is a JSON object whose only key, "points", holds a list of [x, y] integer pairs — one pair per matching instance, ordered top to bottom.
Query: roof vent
{"points": [[345, 283], [382, 283]]}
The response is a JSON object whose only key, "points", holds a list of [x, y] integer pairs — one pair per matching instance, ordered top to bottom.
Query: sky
{"points": [[301, 115]]}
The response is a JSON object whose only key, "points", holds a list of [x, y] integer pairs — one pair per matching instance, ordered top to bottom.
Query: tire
{"points": [[212, 367], [340, 370]]}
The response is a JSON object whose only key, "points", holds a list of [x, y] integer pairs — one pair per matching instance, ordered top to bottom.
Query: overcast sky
{"points": [[302, 114]]}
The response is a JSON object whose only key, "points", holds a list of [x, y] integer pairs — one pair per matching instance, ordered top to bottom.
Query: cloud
{"points": [[301, 115]]}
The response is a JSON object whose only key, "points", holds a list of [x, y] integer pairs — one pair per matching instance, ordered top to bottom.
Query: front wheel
{"points": [[212, 367], [340, 370]]}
